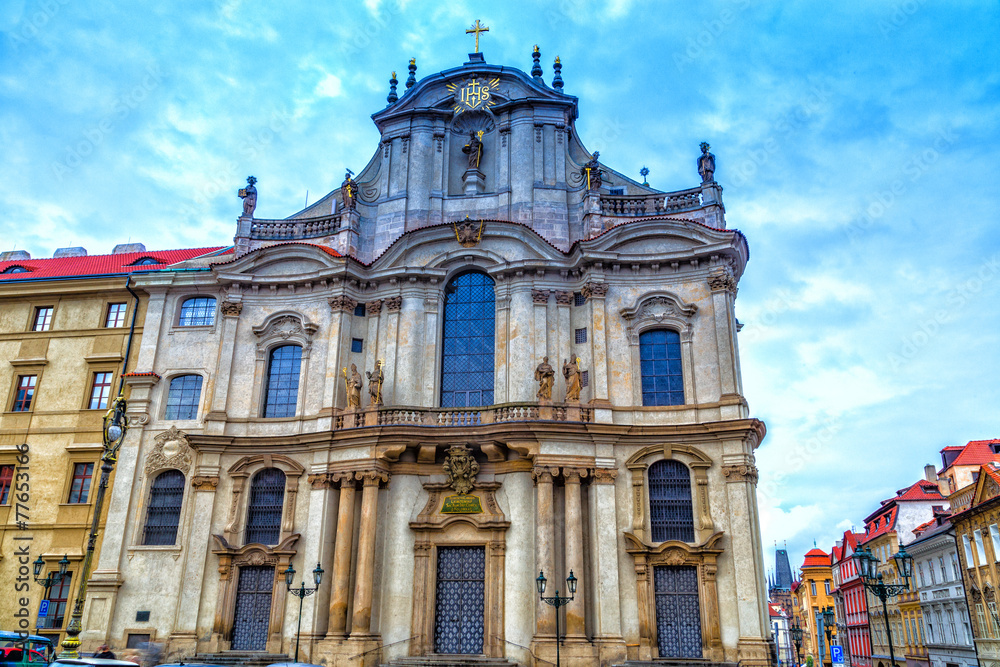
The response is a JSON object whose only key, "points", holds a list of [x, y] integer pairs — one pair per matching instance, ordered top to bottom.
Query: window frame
{"points": [[647, 313], [107, 315], [178, 317], [47, 321], [442, 325], [668, 359], [266, 385], [93, 386], [166, 397], [29, 404], [84, 478], [6, 483], [679, 502], [249, 504], [178, 526], [65, 586]]}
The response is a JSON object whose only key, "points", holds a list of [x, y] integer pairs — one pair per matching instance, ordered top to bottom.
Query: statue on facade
{"points": [[474, 149], [706, 164], [592, 172], [349, 192], [249, 197], [571, 371], [545, 375], [375, 379], [354, 384], [461, 469]]}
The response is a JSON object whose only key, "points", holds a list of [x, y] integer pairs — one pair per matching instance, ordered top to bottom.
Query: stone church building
{"points": [[484, 356]]}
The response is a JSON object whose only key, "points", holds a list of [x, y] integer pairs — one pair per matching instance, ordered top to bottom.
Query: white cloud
{"points": [[328, 86]]}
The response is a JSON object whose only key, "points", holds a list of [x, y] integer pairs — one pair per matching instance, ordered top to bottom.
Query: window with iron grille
{"points": [[579, 299], [359, 310], [198, 311], [116, 315], [43, 318], [581, 335], [468, 341], [357, 345], [660, 366], [584, 378], [100, 391], [25, 393], [281, 396], [183, 397], [6, 480], [80, 488], [267, 495], [670, 508], [163, 513], [58, 598], [136, 640]]}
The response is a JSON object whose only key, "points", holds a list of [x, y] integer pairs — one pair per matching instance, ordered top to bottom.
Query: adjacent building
{"points": [[813, 595], [851, 603]]}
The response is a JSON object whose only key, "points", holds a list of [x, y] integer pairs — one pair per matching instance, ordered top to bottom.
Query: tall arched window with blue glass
{"points": [[468, 341], [660, 364]]}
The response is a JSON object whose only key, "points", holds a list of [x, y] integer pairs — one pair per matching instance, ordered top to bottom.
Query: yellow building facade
{"points": [[812, 594]]}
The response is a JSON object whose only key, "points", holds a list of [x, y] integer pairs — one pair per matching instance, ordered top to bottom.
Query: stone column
{"points": [[723, 287], [596, 293], [540, 297], [392, 307], [230, 318], [561, 344], [409, 349], [502, 354], [521, 364], [335, 388], [199, 538], [604, 563], [341, 579], [575, 610], [361, 621], [545, 623]]}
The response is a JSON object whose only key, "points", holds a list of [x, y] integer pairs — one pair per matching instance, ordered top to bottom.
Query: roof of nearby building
{"points": [[101, 265], [974, 453], [922, 490], [816, 558], [776, 610]]}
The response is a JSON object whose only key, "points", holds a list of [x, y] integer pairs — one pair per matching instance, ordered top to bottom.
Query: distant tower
{"points": [[780, 589]]}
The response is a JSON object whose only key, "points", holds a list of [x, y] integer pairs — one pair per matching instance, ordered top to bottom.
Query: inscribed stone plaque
{"points": [[464, 504]]}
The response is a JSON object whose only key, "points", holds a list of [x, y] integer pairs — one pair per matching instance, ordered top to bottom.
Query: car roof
{"points": [[8, 636], [96, 662], [293, 664]]}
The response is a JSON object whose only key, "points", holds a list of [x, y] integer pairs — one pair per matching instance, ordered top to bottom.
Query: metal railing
{"points": [[378, 649]]}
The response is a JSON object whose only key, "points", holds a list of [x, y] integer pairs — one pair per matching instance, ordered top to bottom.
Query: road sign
{"points": [[43, 612], [837, 654]]}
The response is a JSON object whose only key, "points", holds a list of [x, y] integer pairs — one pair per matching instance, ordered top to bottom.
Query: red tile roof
{"points": [[327, 250], [99, 265], [975, 453], [922, 490], [816, 558]]}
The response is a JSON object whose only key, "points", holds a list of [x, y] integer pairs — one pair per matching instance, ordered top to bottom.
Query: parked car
{"points": [[13, 647], [91, 662]]}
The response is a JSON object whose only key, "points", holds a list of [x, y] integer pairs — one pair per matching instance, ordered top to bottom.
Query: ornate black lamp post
{"points": [[115, 427], [52, 578], [872, 580], [302, 593], [556, 601], [828, 620], [797, 638]]}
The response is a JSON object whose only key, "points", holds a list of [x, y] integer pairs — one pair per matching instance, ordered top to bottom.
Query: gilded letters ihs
{"points": [[475, 94]]}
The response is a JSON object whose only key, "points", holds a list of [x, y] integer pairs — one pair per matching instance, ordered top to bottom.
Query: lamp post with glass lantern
{"points": [[115, 427], [52, 578], [872, 580], [302, 592], [556, 601], [828, 620], [797, 638]]}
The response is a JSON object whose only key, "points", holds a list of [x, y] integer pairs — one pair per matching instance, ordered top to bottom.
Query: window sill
{"points": [[174, 548]]}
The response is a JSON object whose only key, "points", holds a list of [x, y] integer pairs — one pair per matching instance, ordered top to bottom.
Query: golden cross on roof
{"points": [[477, 28]]}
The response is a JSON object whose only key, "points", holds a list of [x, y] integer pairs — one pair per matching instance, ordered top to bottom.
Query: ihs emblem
{"points": [[474, 95]]}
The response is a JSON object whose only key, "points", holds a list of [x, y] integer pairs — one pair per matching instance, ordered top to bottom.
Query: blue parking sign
{"points": [[43, 612], [837, 654]]}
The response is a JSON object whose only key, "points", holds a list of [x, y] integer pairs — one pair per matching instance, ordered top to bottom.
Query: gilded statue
{"points": [[474, 149], [592, 172], [349, 192], [571, 371], [545, 375], [375, 379], [354, 384], [461, 469]]}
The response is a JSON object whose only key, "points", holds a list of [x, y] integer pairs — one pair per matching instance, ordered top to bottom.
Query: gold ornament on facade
{"points": [[466, 233], [461, 469]]}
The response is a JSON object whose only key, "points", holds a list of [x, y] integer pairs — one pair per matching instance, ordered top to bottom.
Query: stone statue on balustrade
{"points": [[706, 164], [592, 174], [349, 192], [249, 197], [571, 371], [545, 375], [375, 379], [354, 384]]}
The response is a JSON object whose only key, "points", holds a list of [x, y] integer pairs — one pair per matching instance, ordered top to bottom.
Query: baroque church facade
{"points": [[486, 356]]}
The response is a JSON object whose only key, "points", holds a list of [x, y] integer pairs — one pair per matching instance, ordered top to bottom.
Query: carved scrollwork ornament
{"points": [[599, 290], [343, 303], [394, 304], [374, 307], [231, 308], [171, 450], [461, 469], [740, 473], [204, 482]]}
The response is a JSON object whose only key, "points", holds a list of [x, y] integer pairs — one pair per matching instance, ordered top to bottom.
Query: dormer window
{"points": [[145, 261], [15, 269]]}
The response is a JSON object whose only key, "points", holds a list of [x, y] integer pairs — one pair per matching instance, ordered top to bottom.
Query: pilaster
{"points": [[231, 311], [544, 545], [340, 581], [575, 611], [361, 620]]}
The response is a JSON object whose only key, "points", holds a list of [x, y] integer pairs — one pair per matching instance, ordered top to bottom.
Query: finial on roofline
{"points": [[536, 68], [412, 79], [557, 81], [392, 96]]}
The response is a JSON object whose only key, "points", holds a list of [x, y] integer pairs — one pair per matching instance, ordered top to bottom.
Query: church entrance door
{"points": [[461, 575], [253, 608], [678, 613]]}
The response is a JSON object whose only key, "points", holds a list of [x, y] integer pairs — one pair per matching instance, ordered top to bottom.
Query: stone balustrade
{"points": [[652, 204], [306, 228], [462, 417]]}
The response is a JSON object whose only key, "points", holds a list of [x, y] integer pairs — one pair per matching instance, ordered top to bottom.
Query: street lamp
{"points": [[115, 427], [52, 578], [872, 580], [302, 593], [556, 601], [828, 621], [797, 638]]}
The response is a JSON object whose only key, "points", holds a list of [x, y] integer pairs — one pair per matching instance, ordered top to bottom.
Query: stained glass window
{"points": [[198, 311], [468, 341], [660, 365], [282, 393], [183, 397], [267, 495], [164, 510], [670, 510]]}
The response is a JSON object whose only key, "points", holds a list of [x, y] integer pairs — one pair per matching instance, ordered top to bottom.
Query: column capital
{"points": [[722, 281], [598, 290], [540, 296], [564, 298], [343, 303], [394, 303], [374, 307], [231, 308], [740, 473], [544, 474], [574, 475], [605, 475], [372, 477], [344, 479], [321, 481], [204, 482]]}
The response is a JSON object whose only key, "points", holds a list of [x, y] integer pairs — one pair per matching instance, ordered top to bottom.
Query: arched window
{"points": [[145, 261], [15, 269], [198, 311], [467, 346], [660, 365], [282, 393], [183, 397], [267, 495], [670, 509], [164, 511]]}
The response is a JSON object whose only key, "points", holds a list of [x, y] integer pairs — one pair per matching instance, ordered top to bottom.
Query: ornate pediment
{"points": [[655, 309], [285, 326], [171, 449]]}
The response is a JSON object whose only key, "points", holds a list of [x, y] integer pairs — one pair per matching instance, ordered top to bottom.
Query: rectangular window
{"points": [[579, 299], [359, 310], [116, 315], [43, 319], [581, 335], [357, 345], [660, 367], [584, 378], [100, 391], [25, 393], [183, 397], [6, 481], [80, 489], [995, 541], [980, 548], [968, 551], [930, 570], [944, 570], [920, 572], [826, 584], [812, 587], [58, 597], [981, 618], [993, 618], [968, 632], [136, 640]]}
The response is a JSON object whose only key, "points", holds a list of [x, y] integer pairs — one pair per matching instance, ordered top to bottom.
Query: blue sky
{"points": [[856, 142]]}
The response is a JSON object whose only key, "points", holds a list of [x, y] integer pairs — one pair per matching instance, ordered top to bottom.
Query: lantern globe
{"points": [[289, 575], [540, 583]]}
